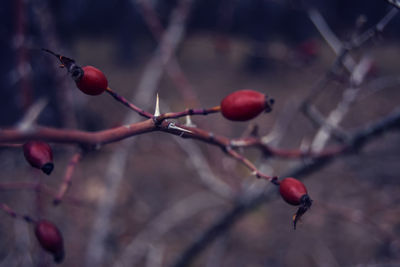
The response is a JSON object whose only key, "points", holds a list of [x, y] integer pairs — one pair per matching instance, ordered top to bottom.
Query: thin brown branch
{"points": [[128, 104], [251, 166]]}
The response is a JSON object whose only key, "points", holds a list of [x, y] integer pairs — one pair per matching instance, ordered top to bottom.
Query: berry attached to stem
{"points": [[90, 80], [245, 105], [39, 155], [295, 193], [50, 239]]}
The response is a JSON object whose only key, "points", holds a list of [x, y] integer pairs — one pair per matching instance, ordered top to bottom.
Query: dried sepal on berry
{"points": [[295, 193]]}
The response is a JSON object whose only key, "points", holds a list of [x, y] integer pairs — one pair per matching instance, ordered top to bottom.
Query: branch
{"points": [[374, 30], [129, 104], [175, 115], [86, 139], [67, 181], [246, 203], [14, 214]]}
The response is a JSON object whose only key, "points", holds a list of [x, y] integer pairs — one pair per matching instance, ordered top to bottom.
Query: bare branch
{"points": [[67, 181], [246, 203]]}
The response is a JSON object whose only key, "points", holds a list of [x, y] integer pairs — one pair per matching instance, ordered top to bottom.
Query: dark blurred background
{"points": [[267, 45]]}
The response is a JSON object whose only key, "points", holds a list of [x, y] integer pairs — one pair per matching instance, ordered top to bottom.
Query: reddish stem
{"points": [[128, 104], [175, 115], [67, 181], [14, 214]]}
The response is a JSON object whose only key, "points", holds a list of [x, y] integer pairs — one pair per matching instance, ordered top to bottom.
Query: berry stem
{"points": [[129, 104], [251, 166]]}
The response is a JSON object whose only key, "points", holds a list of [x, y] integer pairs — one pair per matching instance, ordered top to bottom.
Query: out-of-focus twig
{"points": [[336, 45], [173, 68], [349, 96], [31, 116], [204, 170], [67, 180], [246, 202], [9, 211], [169, 218], [96, 253]]}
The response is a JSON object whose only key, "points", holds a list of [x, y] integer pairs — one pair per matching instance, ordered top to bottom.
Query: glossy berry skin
{"points": [[92, 81], [244, 105], [39, 155], [292, 190], [50, 239]]}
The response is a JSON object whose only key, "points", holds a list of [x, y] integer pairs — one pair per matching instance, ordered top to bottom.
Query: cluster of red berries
{"points": [[241, 105], [40, 155]]}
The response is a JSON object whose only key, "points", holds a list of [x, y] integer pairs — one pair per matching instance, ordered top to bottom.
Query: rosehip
{"points": [[90, 80], [245, 105], [39, 155], [295, 193], [50, 239]]}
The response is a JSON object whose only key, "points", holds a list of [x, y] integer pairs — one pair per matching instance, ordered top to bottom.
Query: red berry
{"points": [[92, 81], [245, 105], [39, 155], [292, 190], [295, 193], [50, 239]]}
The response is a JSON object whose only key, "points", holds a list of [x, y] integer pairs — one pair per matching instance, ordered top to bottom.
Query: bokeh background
{"points": [[143, 201]]}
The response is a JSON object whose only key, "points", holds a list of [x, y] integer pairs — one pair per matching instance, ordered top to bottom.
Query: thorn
{"points": [[157, 109], [189, 122], [174, 127]]}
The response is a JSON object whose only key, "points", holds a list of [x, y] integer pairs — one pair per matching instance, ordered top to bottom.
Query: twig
{"points": [[377, 28], [331, 38], [173, 68], [349, 96], [128, 104], [175, 115], [31, 116], [204, 170], [67, 180], [246, 203], [14, 214], [164, 222], [96, 253]]}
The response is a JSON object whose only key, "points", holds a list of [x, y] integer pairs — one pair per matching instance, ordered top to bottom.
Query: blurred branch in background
{"points": [[246, 203], [160, 216], [97, 253]]}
